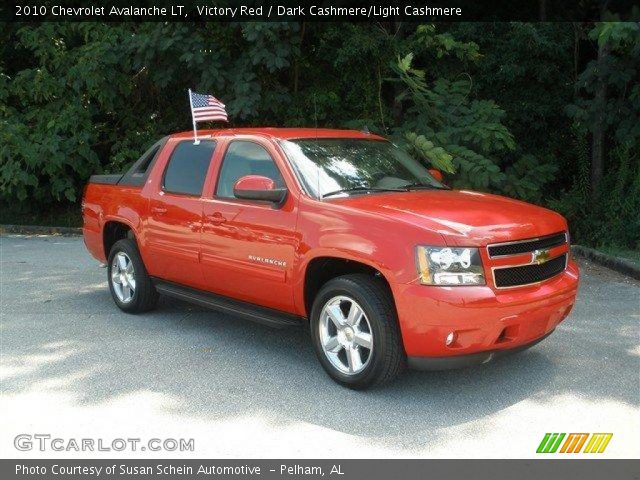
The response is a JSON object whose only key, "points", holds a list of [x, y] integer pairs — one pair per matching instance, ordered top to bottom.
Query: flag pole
{"points": [[195, 130]]}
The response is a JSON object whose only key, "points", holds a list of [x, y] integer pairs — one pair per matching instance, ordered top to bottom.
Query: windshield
{"points": [[346, 166]]}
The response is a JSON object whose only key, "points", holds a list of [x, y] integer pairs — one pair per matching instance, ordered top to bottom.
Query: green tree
{"points": [[547, 112], [454, 130], [604, 201]]}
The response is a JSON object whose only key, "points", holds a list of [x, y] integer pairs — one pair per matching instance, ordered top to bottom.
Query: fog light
{"points": [[450, 339]]}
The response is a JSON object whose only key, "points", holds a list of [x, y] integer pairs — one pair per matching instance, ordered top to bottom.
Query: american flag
{"points": [[207, 107]]}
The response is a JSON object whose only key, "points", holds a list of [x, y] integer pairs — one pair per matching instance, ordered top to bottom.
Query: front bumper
{"points": [[485, 321], [469, 360]]}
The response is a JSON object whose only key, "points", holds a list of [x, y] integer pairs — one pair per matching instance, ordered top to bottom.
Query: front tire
{"points": [[129, 282], [354, 329]]}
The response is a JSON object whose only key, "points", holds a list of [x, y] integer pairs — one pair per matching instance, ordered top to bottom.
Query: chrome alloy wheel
{"points": [[123, 277], [346, 335]]}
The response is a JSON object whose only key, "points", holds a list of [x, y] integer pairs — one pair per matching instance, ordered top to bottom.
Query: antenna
{"points": [[315, 114], [315, 119]]}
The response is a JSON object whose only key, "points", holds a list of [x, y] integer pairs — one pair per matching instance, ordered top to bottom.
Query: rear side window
{"points": [[143, 165], [188, 167], [139, 171]]}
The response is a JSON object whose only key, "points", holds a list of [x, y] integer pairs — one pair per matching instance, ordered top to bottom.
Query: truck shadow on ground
{"points": [[216, 367]]}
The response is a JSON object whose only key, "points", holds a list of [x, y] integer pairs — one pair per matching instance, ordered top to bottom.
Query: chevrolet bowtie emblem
{"points": [[540, 256]]}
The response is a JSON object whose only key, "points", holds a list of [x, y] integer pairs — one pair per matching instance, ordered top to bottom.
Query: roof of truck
{"points": [[282, 133]]}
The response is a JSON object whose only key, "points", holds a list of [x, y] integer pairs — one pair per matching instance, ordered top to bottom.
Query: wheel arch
{"points": [[114, 230], [323, 268]]}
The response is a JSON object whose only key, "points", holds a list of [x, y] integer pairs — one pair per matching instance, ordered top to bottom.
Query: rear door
{"points": [[174, 222], [248, 247]]}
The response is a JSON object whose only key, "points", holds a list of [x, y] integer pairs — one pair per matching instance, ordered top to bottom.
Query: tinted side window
{"points": [[245, 158], [188, 167], [139, 171]]}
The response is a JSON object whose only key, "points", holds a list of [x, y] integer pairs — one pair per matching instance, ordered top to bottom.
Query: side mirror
{"points": [[437, 174], [257, 187]]}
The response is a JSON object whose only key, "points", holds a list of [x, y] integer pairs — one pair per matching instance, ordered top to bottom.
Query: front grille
{"points": [[527, 245], [526, 274]]}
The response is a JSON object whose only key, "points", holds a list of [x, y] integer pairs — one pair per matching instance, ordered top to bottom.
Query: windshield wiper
{"points": [[420, 185], [361, 189]]}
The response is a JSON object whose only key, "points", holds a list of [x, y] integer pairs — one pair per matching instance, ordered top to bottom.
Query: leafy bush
{"points": [[501, 107], [460, 134], [610, 215]]}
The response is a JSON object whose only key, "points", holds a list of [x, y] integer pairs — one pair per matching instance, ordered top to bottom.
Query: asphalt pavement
{"points": [[73, 366]]}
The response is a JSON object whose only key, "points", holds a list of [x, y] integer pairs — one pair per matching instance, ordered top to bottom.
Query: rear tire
{"points": [[129, 282], [362, 347]]}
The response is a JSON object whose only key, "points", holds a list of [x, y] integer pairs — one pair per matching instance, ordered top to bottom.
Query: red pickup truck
{"points": [[338, 229]]}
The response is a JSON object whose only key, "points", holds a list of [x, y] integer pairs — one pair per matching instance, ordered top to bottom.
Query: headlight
{"points": [[449, 266]]}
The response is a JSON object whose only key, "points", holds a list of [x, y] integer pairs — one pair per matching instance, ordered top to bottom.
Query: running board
{"points": [[256, 313]]}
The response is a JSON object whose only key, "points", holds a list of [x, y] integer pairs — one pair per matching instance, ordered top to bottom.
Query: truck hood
{"points": [[461, 217]]}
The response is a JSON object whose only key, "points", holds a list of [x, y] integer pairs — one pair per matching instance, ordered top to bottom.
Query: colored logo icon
{"points": [[540, 256], [574, 443]]}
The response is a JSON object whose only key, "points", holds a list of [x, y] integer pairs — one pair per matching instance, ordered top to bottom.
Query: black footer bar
{"points": [[581, 469]]}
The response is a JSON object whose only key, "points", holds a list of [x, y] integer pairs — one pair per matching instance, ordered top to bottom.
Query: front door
{"points": [[248, 247]]}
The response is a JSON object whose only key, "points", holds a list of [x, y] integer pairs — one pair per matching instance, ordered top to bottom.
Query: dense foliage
{"points": [[544, 112]]}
